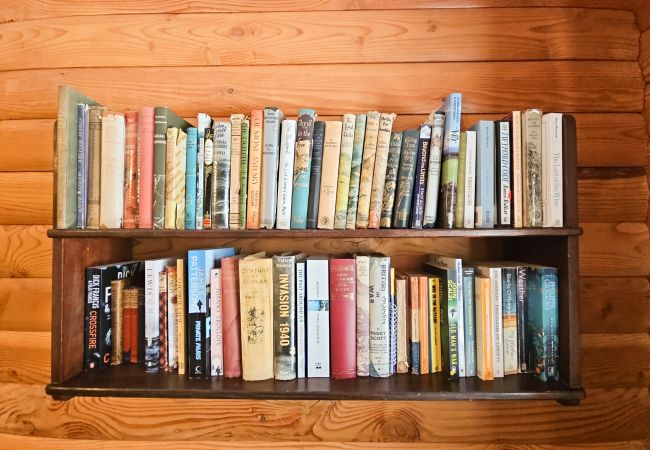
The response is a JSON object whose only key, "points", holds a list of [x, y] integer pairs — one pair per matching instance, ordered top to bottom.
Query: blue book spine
{"points": [[452, 108], [82, 164], [302, 168], [421, 169], [485, 170], [190, 179], [543, 322], [470, 324], [415, 358]]}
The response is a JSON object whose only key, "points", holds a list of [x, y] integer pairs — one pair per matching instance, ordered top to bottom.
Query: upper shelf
{"points": [[359, 233]]}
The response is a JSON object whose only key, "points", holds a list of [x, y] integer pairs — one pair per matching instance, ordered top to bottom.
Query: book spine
{"points": [[203, 121], [450, 150], [94, 152], [270, 152], [159, 159], [65, 161], [170, 162], [82, 164], [302, 168], [345, 168], [367, 168], [532, 168], [235, 169], [255, 170], [355, 170], [433, 170], [517, 170], [112, 171], [379, 171], [485, 171], [243, 173], [285, 174], [329, 174], [315, 176], [421, 176], [208, 177], [554, 178], [190, 179], [405, 179], [470, 180], [178, 183], [390, 183], [504, 207], [220, 212], [130, 213], [459, 219], [509, 286], [496, 287], [379, 293], [163, 305], [460, 306], [196, 310], [414, 310], [230, 313], [181, 314], [318, 315], [363, 315], [453, 315], [140, 317], [284, 317], [152, 318], [522, 318], [172, 319], [343, 320], [117, 322], [469, 322], [216, 323], [393, 323], [126, 326], [402, 326], [483, 328], [437, 330], [542, 330], [551, 330], [301, 334], [425, 341], [92, 357], [435, 363]]}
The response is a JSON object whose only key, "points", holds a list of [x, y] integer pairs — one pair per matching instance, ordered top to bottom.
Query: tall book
{"points": [[203, 122], [83, 131], [531, 142], [270, 153], [66, 155], [94, 155], [235, 168], [302, 168], [367, 168], [345, 169], [255, 170], [355, 170], [433, 170], [449, 170], [112, 171], [131, 171], [379, 171], [243, 173], [503, 173], [285, 174], [329, 174], [315, 176], [190, 178], [208, 178], [175, 179], [405, 179], [470, 181], [390, 183], [221, 187], [419, 187], [517, 187], [485, 201], [552, 201], [459, 219], [493, 272], [379, 293], [401, 294], [131, 295], [509, 300], [433, 305], [256, 306], [153, 314], [363, 314], [181, 315], [284, 316], [318, 316], [172, 317], [231, 317], [343, 318], [522, 318], [301, 319], [117, 320], [414, 321], [423, 321], [469, 322], [216, 323], [162, 324], [393, 324], [543, 325], [126, 326], [484, 332]]}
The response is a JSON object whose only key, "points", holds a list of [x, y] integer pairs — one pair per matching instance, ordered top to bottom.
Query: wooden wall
{"points": [[587, 57]]}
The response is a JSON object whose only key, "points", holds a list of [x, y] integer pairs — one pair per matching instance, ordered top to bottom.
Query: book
{"points": [[203, 122], [83, 130], [531, 141], [270, 152], [94, 156], [235, 168], [302, 168], [367, 168], [345, 169], [255, 170], [433, 170], [449, 170], [112, 171], [355, 171], [379, 171], [243, 173], [485, 173], [502, 173], [285, 174], [329, 174], [315, 176], [190, 178], [208, 178], [175, 179], [405, 179], [470, 180], [390, 183], [221, 186], [419, 186], [517, 198], [552, 202], [130, 214], [459, 219], [493, 272], [401, 294], [509, 300], [256, 306], [433, 306], [153, 314], [363, 314], [181, 315], [127, 316], [284, 316], [318, 316], [414, 316], [172, 317], [231, 317], [343, 317], [522, 318], [423, 320], [117, 321], [131, 321], [469, 322], [162, 323], [216, 323], [393, 324], [543, 325], [379, 328], [484, 331], [301, 334]]}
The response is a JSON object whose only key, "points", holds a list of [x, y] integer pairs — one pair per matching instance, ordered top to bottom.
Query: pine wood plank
{"points": [[642, 12], [320, 37], [644, 54], [578, 86], [26, 146], [612, 195], [26, 198], [25, 251], [25, 304], [24, 357], [615, 360]]}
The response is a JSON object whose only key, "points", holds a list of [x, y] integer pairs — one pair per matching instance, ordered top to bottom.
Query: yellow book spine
{"points": [[345, 167], [367, 169], [379, 172], [329, 174], [423, 287], [180, 314], [434, 324]]}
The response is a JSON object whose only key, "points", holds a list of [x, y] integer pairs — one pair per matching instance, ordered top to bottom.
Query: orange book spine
{"points": [[254, 170], [131, 171], [423, 288], [486, 292]]}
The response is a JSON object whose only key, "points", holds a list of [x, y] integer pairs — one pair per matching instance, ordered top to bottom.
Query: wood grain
{"points": [[642, 13], [320, 37], [644, 55], [578, 86], [26, 145], [612, 195], [26, 198], [610, 249], [25, 251], [25, 304], [24, 357], [615, 360]]}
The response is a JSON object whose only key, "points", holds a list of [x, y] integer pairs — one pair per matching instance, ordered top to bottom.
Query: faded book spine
{"points": [[203, 121], [531, 126], [270, 153], [94, 156], [159, 159], [170, 162], [82, 164], [345, 167], [235, 168], [302, 168], [367, 168], [449, 169], [255, 170], [485, 170], [112, 171], [131, 171], [355, 171], [379, 171], [433, 172], [243, 173], [285, 174], [329, 174], [315, 176], [208, 177], [190, 179], [405, 179], [503, 179], [470, 180], [178, 182], [390, 183], [419, 188], [517, 188], [460, 191], [552, 208], [220, 212], [509, 286], [379, 293], [181, 314], [230, 314], [363, 315], [414, 316], [284, 317], [318, 317], [172, 318], [117, 321], [162, 323], [216, 323], [342, 323], [393, 324], [402, 325]]}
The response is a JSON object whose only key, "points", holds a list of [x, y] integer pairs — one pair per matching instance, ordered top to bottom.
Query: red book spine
{"points": [[145, 167], [131, 171], [230, 317], [343, 318], [135, 331]]}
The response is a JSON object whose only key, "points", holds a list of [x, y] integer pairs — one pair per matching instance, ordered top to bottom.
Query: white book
{"points": [[203, 121], [270, 150], [235, 168], [433, 171], [285, 174], [329, 174], [470, 180], [517, 193], [552, 201], [111, 206], [152, 269], [363, 314], [318, 320], [216, 323], [379, 323], [301, 342]]}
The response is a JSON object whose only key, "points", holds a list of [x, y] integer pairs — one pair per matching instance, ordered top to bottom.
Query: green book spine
{"points": [[159, 159], [392, 168], [355, 171], [243, 173], [405, 179], [459, 221], [470, 321]]}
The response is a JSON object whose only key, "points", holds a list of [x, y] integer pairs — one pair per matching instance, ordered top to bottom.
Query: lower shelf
{"points": [[132, 381]]}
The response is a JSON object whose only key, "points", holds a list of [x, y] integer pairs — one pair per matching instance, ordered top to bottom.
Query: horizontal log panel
{"points": [[642, 12], [320, 37], [644, 54], [579, 86], [646, 108], [26, 145], [612, 195], [26, 198], [610, 249], [25, 251], [25, 304], [614, 305], [24, 357], [620, 360], [606, 414]]}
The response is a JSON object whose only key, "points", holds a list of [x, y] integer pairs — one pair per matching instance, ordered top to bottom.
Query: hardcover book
{"points": [[203, 121], [83, 131], [531, 131], [450, 149], [270, 152], [94, 156], [421, 166], [235, 168], [302, 168], [345, 168], [367, 168], [255, 170], [433, 170], [112, 171], [131, 171], [355, 171], [379, 171], [243, 173], [485, 173], [285, 174], [329, 174], [502, 175], [315, 176], [208, 178], [175, 179], [190, 179], [405, 179], [470, 180], [390, 183], [221, 187], [517, 188], [552, 202], [459, 219], [401, 293], [379, 295], [433, 304], [153, 314], [363, 314], [284, 316], [318, 316], [231, 317], [131, 318], [172, 318], [301, 318], [343, 318], [414, 320], [423, 320], [117, 321], [162, 324], [393, 324], [543, 326]]}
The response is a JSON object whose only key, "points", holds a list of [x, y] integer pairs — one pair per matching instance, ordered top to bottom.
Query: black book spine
{"points": [[421, 169], [502, 174], [314, 179], [405, 179], [522, 317], [196, 339], [92, 357]]}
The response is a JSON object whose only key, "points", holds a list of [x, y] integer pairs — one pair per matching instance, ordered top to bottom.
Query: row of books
{"points": [[152, 169], [291, 316]]}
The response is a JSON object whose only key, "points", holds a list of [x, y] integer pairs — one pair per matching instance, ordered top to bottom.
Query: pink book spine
{"points": [[145, 167], [230, 318]]}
